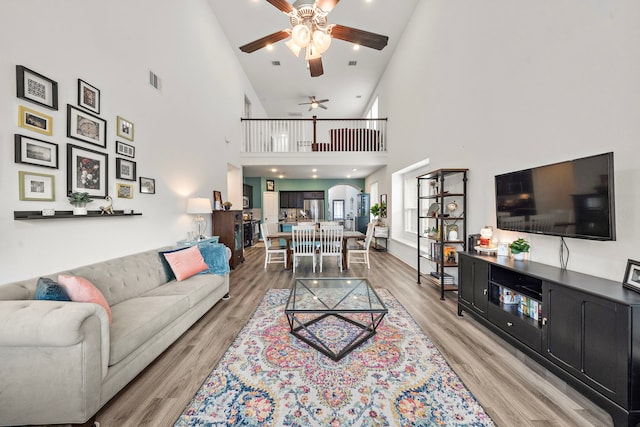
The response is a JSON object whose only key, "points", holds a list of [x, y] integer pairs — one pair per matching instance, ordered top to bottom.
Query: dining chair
{"points": [[303, 244], [331, 244], [358, 252], [274, 254]]}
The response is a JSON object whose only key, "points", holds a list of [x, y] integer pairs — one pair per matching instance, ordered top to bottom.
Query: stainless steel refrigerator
{"points": [[314, 209]]}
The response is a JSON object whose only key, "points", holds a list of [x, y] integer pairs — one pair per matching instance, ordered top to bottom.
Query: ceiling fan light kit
{"points": [[310, 31]]}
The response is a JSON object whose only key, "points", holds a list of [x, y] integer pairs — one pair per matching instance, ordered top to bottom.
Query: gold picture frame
{"points": [[35, 121], [124, 128], [37, 187], [125, 191]]}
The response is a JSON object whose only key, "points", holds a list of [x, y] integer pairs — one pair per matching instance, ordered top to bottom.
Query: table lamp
{"points": [[199, 206]]}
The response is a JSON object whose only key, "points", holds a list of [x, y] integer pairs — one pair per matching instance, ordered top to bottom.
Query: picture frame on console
{"points": [[217, 200], [632, 276]]}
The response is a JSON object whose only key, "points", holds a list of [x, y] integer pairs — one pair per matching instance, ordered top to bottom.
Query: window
{"points": [[373, 114], [404, 182]]}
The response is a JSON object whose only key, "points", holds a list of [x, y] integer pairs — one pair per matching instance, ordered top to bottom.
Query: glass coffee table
{"points": [[334, 315]]}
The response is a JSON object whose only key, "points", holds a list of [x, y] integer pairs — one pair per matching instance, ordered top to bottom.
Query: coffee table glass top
{"points": [[342, 294], [334, 315]]}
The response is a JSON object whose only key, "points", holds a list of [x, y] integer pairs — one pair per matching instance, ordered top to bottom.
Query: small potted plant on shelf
{"points": [[79, 201], [227, 205], [518, 248]]}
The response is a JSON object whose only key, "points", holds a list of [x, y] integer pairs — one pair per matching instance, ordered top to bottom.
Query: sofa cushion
{"points": [[165, 263], [186, 263], [195, 288], [80, 289], [50, 290], [137, 320]]}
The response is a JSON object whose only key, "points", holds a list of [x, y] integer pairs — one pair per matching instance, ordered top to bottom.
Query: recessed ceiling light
{"points": [[269, 47], [356, 47], [354, 169], [274, 170], [314, 170], [280, 176], [314, 176], [348, 176]]}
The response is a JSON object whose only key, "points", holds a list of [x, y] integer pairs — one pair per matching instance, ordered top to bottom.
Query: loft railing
{"points": [[304, 135]]}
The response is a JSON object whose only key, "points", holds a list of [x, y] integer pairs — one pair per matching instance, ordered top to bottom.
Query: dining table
{"points": [[288, 236]]}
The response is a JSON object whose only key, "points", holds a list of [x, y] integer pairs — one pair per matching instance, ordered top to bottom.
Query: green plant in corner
{"points": [[79, 199], [519, 245]]}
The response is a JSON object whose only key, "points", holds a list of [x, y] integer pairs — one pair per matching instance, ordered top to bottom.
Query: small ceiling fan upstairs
{"points": [[310, 31], [315, 103]]}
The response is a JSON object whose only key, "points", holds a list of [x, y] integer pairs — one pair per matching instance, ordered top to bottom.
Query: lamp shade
{"points": [[199, 205]]}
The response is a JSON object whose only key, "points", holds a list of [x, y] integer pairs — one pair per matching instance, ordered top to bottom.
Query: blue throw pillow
{"points": [[215, 256], [165, 265], [50, 290]]}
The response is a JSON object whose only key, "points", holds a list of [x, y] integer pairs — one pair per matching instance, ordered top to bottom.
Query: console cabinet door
{"points": [[473, 276], [588, 336]]}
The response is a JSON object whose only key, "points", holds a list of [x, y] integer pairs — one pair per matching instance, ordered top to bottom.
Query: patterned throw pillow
{"points": [[186, 263], [50, 290], [82, 290]]}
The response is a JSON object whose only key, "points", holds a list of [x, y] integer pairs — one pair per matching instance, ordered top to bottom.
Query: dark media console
{"points": [[582, 328]]}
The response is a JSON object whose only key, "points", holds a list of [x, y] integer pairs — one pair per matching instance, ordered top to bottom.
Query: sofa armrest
{"points": [[30, 323], [54, 359]]}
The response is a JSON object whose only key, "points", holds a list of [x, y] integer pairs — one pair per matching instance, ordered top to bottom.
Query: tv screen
{"points": [[570, 199]]}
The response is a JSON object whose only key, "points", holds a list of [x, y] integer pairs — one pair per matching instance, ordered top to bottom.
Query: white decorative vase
{"points": [[79, 210], [519, 256]]}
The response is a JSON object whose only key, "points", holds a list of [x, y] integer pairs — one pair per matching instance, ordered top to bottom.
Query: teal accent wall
{"points": [[260, 185]]}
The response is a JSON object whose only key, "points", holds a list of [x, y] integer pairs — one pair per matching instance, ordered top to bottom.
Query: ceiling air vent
{"points": [[275, 63], [353, 63], [154, 80], [295, 114]]}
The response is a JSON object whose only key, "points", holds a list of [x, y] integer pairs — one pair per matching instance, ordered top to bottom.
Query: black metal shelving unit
{"points": [[442, 186]]}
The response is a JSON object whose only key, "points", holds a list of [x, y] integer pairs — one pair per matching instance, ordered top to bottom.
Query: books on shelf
{"points": [[447, 279]]}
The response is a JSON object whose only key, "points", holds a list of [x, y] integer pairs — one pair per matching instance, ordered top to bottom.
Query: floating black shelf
{"points": [[28, 215]]}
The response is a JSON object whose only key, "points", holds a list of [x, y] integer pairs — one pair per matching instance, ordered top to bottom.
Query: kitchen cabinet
{"points": [[247, 196], [291, 200]]}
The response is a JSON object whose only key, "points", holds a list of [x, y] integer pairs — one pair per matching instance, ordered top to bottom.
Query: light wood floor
{"points": [[513, 389]]}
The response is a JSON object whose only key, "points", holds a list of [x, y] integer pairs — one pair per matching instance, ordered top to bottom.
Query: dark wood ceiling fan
{"points": [[310, 31], [315, 103]]}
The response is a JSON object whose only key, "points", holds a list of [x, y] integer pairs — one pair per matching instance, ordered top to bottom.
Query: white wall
{"points": [[502, 85], [180, 132]]}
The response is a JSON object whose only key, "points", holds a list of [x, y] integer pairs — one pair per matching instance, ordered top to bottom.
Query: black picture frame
{"points": [[36, 88], [88, 96], [86, 127], [125, 149], [33, 151], [125, 169], [87, 171], [147, 185], [271, 185], [632, 276]]}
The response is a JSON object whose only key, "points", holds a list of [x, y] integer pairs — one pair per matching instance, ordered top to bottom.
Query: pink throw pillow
{"points": [[186, 263], [80, 289]]}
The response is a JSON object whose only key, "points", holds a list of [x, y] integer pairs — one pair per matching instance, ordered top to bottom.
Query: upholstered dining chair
{"points": [[303, 244], [331, 244], [358, 252], [274, 254]]}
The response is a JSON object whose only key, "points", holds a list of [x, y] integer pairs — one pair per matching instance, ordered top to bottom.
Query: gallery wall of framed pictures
{"points": [[87, 156]]}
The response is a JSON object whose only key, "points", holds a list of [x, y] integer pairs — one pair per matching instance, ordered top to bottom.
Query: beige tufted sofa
{"points": [[60, 362]]}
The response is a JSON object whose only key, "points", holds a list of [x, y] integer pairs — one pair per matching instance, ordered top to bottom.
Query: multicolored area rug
{"points": [[270, 378]]}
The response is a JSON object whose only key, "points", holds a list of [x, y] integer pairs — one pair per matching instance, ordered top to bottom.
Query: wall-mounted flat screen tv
{"points": [[569, 199]]}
